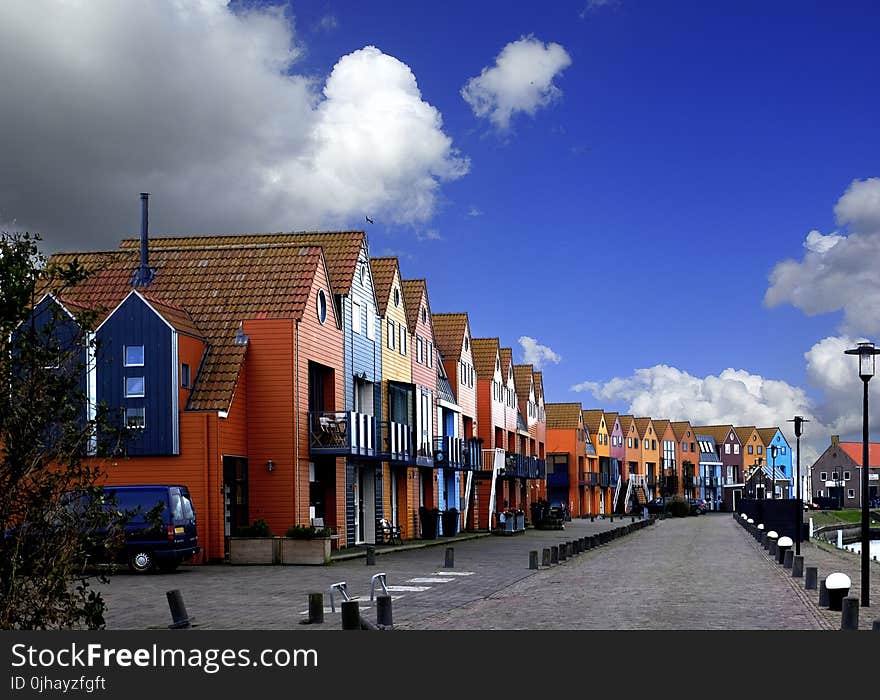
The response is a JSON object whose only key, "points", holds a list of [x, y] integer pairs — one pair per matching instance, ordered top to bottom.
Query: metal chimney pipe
{"points": [[144, 275]]}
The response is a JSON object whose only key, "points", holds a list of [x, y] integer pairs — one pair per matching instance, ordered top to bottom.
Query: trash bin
{"points": [[430, 520], [450, 522]]}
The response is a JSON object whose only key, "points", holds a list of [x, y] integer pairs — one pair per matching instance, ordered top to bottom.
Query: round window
{"points": [[363, 274], [396, 296], [322, 306]]}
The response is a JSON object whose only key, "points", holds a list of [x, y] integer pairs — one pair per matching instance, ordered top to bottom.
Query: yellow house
{"points": [[594, 420]]}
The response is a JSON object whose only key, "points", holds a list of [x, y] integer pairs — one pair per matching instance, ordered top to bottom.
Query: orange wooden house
{"points": [[263, 341], [594, 421], [688, 452], [650, 454], [566, 458]]}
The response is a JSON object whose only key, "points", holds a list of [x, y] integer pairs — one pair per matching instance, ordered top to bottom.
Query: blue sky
{"points": [[632, 220]]}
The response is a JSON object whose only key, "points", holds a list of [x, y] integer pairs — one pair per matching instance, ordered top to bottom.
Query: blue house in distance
{"points": [[773, 437]]}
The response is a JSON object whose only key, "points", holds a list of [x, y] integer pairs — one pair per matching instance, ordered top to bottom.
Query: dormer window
{"points": [[134, 355]]}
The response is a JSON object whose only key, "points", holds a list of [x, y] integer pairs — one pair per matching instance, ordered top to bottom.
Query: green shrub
{"points": [[678, 507], [260, 528], [307, 532]]}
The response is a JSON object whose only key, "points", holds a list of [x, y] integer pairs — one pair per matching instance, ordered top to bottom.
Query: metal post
{"points": [[866, 534], [371, 556], [545, 556], [450, 558], [533, 559], [811, 578], [316, 608], [178, 610], [383, 611], [351, 615], [849, 616]]}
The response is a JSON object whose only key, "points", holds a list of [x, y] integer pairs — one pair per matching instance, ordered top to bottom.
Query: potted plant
{"points": [[429, 519], [450, 522], [254, 544], [306, 544]]}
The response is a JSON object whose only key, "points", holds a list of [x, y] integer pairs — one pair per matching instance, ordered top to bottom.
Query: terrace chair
{"points": [[388, 533]]}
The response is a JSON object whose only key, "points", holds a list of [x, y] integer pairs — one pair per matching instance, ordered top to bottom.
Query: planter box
{"points": [[520, 522], [254, 550], [314, 552]]}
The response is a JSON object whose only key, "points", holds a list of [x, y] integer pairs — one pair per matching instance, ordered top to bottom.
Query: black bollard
{"points": [[592, 519], [562, 553], [554, 554], [371, 556], [545, 556], [450, 558], [533, 559], [788, 559], [797, 566], [811, 578], [823, 595], [316, 608], [178, 610], [351, 615], [384, 616], [849, 616], [875, 627]]}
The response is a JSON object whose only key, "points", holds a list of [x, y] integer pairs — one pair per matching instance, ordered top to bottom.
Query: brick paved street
{"points": [[693, 573]]}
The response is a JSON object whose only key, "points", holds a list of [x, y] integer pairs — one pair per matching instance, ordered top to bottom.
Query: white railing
{"points": [[363, 432], [495, 457], [629, 488], [616, 495]]}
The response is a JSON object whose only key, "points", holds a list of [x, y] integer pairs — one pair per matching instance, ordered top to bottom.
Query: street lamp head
{"points": [[866, 351], [798, 425], [774, 450]]}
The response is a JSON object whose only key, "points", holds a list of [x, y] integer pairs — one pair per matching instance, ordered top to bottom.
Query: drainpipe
{"points": [[296, 494]]}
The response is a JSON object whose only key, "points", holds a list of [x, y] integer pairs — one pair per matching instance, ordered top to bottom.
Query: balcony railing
{"points": [[342, 433], [397, 445], [449, 452], [424, 454], [473, 456], [515, 465], [537, 468], [604, 479], [613, 479], [557, 480], [651, 481]]}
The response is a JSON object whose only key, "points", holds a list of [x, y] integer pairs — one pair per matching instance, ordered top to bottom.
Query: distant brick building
{"points": [[837, 473]]}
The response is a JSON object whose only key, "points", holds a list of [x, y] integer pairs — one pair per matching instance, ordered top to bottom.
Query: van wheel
{"points": [[141, 561]]}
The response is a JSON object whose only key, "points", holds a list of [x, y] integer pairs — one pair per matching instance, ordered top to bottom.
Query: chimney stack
{"points": [[144, 275], [835, 440]]}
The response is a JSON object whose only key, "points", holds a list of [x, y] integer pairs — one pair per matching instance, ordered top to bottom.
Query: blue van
{"points": [[160, 531]]}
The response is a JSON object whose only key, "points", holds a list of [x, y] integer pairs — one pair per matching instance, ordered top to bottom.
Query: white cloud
{"points": [[593, 5], [327, 23], [520, 81], [203, 108], [475, 212], [430, 234], [838, 271], [536, 354]]}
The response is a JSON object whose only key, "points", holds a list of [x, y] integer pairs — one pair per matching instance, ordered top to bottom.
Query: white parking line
{"points": [[453, 573], [429, 579], [413, 589]]}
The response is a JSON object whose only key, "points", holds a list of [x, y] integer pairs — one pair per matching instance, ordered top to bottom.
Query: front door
{"points": [[235, 494], [365, 510]]}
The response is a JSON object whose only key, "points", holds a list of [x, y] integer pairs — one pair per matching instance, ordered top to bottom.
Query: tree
{"points": [[53, 520]]}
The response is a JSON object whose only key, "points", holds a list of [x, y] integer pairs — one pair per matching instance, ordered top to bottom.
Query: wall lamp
{"points": [[270, 466]]}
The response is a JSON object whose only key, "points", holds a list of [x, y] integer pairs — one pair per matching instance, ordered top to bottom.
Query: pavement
{"points": [[691, 573]]}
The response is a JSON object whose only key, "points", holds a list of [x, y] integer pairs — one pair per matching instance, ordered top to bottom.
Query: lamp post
{"points": [[866, 352], [799, 511]]}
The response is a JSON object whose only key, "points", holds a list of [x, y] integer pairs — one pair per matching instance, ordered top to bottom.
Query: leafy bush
{"points": [[678, 507], [260, 528], [307, 532]]}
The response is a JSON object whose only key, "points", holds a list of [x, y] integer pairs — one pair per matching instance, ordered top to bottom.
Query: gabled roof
{"points": [[341, 248], [383, 279], [219, 287], [413, 293], [176, 316], [449, 330], [485, 350], [506, 361], [523, 380], [539, 386], [563, 416], [610, 418], [592, 419], [625, 421], [642, 426], [660, 428], [679, 429], [718, 432], [744, 432], [767, 434], [854, 451]]}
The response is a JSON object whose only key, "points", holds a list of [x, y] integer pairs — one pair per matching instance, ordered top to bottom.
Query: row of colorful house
{"points": [[294, 379], [602, 462]]}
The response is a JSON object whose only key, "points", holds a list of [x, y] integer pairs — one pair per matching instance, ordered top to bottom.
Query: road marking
{"points": [[453, 573], [428, 579], [413, 589]]}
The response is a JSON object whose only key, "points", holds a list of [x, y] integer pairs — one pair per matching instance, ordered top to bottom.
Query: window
{"points": [[363, 274], [396, 297], [322, 306], [424, 315], [356, 317], [371, 323], [391, 334], [402, 339], [466, 343], [419, 349], [430, 354], [134, 355], [185, 376], [134, 387], [135, 417], [629, 442], [647, 444], [653, 444], [684, 447], [692, 447], [727, 448], [735, 448], [750, 449], [760, 449], [782, 450], [823, 476], [834, 476], [846, 476], [851, 493]]}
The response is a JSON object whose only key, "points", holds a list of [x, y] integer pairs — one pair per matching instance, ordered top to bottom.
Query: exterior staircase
{"points": [[622, 495]]}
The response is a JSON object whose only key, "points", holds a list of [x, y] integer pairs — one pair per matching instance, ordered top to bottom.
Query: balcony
{"points": [[342, 433], [397, 442], [450, 452], [424, 454], [473, 456], [515, 465], [537, 468], [588, 479], [604, 479], [613, 479], [557, 480], [651, 481], [711, 481], [670, 483]]}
